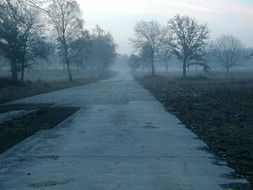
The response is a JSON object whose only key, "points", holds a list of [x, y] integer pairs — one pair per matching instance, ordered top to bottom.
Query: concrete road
{"points": [[121, 139]]}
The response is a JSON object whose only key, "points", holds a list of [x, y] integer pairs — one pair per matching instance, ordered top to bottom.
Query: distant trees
{"points": [[65, 16], [149, 35], [9, 37], [183, 37], [24, 39], [188, 39], [33, 44], [78, 47], [81, 50], [229, 50], [94, 51], [103, 51], [165, 54], [146, 57], [134, 62]]}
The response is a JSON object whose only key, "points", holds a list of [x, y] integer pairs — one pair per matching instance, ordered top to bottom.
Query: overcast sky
{"points": [[119, 16]]}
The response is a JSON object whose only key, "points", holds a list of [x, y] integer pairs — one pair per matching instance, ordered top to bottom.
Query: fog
{"points": [[223, 16], [116, 21], [126, 94]]}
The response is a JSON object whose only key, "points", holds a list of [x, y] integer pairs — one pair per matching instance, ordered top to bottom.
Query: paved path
{"points": [[122, 139]]}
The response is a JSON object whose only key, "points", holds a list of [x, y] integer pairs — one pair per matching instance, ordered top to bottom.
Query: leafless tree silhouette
{"points": [[65, 16], [149, 34], [188, 38], [229, 51]]}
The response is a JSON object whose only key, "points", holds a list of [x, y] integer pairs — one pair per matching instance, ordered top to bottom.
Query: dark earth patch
{"points": [[16, 130], [236, 186]]}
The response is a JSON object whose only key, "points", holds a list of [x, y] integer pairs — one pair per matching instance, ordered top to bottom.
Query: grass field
{"points": [[51, 75], [218, 108]]}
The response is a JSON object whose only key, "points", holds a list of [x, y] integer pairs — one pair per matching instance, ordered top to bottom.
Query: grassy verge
{"points": [[10, 91], [219, 111], [46, 117]]}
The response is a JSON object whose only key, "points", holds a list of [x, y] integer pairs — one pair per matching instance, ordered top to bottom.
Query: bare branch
{"points": [[188, 38], [229, 51]]}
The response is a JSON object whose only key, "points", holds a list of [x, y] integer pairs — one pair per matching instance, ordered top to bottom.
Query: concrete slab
{"points": [[122, 139]]}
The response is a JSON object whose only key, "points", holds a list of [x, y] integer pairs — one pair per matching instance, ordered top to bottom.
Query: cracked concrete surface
{"points": [[121, 139]]}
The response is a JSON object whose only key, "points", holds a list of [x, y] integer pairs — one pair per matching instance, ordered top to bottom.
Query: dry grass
{"points": [[10, 91]]}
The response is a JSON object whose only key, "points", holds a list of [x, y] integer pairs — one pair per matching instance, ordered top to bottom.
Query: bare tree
{"points": [[36, 4], [65, 16], [149, 33], [20, 35], [9, 37], [188, 38], [33, 44], [81, 50], [103, 50], [229, 51], [165, 54], [146, 57], [200, 59], [134, 62]]}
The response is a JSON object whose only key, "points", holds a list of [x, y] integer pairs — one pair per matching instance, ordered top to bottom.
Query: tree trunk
{"points": [[66, 55], [23, 61], [152, 62], [166, 67], [184, 68], [228, 69], [22, 71], [14, 72], [69, 72], [14, 75], [22, 75]]}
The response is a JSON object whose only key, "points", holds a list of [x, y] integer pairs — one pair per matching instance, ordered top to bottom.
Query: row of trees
{"points": [[27, 26], [187, 40]]}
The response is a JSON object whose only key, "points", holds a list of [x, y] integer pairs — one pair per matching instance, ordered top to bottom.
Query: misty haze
{"points": [[126, 95]]}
